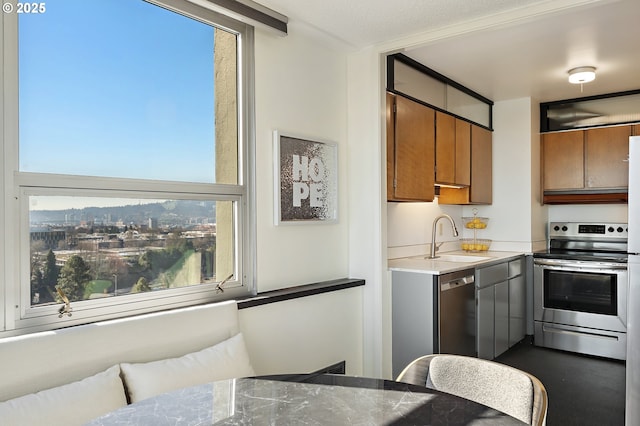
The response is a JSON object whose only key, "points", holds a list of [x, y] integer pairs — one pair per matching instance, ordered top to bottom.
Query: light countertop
{"points": [[450, 261]]}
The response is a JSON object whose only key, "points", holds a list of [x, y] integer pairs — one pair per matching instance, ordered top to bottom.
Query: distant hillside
{"points": [[168, 212]]}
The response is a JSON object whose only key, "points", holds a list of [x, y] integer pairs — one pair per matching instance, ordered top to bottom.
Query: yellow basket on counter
{"points": [[475, 244]]}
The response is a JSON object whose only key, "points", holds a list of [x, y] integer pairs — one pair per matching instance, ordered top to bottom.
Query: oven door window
{"points": [[580, 291]]}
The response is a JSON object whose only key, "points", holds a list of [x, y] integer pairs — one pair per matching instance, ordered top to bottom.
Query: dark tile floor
{"points": [[582, 390]]}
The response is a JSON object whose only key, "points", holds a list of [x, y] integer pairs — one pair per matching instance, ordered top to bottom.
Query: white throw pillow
{"points": [[226, 360], [71, 404]]}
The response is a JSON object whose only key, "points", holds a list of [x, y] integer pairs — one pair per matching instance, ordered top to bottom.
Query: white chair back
{"points": [[495, 385]]}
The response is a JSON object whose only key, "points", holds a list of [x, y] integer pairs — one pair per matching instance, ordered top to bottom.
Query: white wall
{"points": [[301, 88], [540, 212], [588, 213], [410, 225], [367, 237], [306, 334]]}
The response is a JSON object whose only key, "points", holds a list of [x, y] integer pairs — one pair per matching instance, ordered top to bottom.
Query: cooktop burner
{"points": [[582, 256]]}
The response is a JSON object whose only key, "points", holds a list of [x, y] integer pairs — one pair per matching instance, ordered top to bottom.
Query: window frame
{"points": [[16, 314]]}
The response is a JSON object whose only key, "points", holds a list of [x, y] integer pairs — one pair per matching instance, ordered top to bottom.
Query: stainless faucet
{"points": [[432, 251]]}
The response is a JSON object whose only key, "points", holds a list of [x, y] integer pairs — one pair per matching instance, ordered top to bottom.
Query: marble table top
{"points": [[305, 400]]}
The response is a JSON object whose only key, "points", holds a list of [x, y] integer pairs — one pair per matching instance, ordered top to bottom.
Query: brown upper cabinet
{"points": [[410, 150], [453, 150], [606, 157], [563, 160], [586, 166], [480, 189]]}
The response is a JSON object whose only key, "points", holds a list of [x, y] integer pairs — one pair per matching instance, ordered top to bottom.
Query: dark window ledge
{"points": [[298, 291]]}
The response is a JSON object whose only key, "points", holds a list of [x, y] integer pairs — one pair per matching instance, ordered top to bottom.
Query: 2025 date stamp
{"points": [[33, 8]]}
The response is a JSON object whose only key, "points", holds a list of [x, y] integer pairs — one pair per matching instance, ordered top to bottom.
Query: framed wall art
{"points": [[306, 187]]}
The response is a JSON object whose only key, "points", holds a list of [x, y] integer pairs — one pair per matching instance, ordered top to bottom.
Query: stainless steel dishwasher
{"points": [[457, 313], [432, 314]]}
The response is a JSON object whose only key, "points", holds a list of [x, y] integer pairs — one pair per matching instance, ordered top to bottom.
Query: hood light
{"points": [[450, 186]]}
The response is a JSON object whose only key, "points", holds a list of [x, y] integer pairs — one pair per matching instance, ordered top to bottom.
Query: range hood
{"points": [[585, 197]]}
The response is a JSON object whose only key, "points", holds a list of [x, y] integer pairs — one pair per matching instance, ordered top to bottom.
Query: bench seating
{"points": [[114, 362]]}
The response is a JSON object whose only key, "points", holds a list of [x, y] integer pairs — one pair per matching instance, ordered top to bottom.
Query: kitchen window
{"points": [[127, 147]]}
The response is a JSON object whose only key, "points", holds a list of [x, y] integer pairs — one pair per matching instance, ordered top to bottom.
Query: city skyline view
{"points": [[97, 252]]}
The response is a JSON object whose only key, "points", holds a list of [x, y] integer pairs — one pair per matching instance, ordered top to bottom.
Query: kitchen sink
{"points": [[461, 258]]}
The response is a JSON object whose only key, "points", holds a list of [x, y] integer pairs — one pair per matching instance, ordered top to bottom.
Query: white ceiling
{"points": [[502, 49]]}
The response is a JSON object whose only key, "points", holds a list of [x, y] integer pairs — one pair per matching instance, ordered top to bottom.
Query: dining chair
{"points": [[501, 387]]}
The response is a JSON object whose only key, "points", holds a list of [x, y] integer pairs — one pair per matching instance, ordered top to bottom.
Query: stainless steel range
{"points": [[580, 289]]}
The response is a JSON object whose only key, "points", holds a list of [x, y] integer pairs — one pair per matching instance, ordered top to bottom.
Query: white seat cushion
{"points": [[226, 360], [72, 404]]}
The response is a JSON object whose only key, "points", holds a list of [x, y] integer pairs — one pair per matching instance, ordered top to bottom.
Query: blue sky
{"points": [[116, 88]]}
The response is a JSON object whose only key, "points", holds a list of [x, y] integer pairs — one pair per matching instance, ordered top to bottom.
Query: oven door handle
{"points": [[563, 264]]}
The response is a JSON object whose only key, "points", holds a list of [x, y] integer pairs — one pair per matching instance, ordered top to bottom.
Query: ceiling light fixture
{"points": [[582, 75]]}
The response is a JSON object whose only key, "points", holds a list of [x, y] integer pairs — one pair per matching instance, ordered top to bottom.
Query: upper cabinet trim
{"points": [[438, 78], [593, 111]]}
